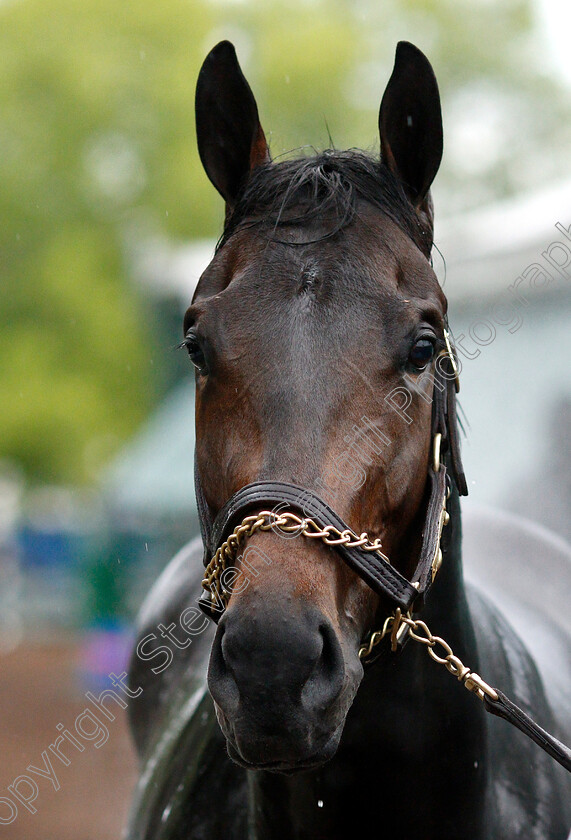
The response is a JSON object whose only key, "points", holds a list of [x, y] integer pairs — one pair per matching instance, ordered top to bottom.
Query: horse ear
{"points": [[410, 123], [231, 142]]}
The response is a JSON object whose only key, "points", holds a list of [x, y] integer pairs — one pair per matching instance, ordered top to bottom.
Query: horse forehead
{"points": [[374, 258]]}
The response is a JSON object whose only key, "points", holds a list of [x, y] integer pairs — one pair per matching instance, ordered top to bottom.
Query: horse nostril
{"points": [[331, 654], [326, 680], [221, 681]]}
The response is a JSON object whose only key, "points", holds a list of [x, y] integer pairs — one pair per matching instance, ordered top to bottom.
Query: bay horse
{"points": [[325, 394]]}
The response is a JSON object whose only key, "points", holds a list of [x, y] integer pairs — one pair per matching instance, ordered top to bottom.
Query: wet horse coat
{"points": [[321, 302]]}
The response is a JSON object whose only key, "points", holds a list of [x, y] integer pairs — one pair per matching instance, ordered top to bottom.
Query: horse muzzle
{"points": [[281, 684]]}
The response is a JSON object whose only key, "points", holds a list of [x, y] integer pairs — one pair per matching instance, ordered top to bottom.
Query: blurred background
{"points": [[107, 221]]}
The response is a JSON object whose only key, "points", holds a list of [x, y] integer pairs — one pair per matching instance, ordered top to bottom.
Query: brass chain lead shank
{"points": [[420, 632]]}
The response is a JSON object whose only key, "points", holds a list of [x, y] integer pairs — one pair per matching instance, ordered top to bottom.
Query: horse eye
{"points": [[195, 353], [422, 353]]}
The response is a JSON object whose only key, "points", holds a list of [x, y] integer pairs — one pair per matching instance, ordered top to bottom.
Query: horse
{"points": [[302, 704]]}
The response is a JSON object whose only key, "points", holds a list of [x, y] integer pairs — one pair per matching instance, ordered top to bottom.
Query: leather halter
{"points": [[373, 567]]}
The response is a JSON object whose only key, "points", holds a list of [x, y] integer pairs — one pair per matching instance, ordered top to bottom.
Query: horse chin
{"points": [[292, 766]]}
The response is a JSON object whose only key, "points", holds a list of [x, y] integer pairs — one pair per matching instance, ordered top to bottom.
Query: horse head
{"points": [[315, 333]]}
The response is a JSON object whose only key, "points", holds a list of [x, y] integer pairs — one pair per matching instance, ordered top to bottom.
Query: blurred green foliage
{"points": [[97, 154]]}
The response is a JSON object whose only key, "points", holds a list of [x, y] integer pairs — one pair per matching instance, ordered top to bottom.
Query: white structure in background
{"points": [[516, 378], [516, 392], [11, 602]]}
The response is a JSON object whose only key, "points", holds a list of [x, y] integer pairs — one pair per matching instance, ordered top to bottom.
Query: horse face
{"points": [[314, 345]]}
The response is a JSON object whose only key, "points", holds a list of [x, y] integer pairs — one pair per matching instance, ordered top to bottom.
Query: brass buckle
{"points": [[436, 452]]}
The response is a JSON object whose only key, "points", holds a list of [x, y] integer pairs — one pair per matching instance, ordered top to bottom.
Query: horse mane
{"points": [[330, 186]]}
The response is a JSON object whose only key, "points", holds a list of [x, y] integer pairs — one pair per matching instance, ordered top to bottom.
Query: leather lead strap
{"points": [[504, 708]]}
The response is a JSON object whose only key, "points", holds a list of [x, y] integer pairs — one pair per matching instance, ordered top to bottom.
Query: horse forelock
{"points": [[329, 185]]}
